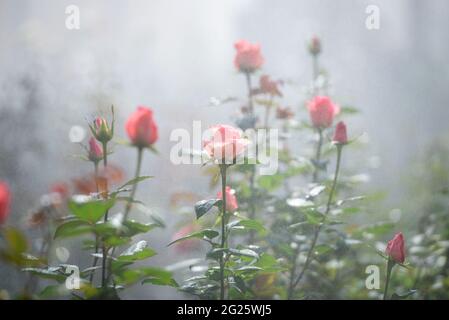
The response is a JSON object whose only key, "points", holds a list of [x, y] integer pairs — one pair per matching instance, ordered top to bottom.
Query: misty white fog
{"points": [[174, 55]]}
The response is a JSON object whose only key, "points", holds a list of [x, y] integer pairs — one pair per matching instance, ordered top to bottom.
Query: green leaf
{"points": [[134, 181], [128, 199], [203, 206], [89, 210], [314, 217], [248, 224], [134, 227], [73, 228], [206, 233], [116, 241], [322, 249], [138, 251], [244, 252], [216, 253], [268, 263], [248, 269], [53, 273], [152, 274], [158, 276], [240, 284], [396, 296]]}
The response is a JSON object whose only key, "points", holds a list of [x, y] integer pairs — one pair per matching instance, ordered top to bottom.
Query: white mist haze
{"points": [[173, 55]]}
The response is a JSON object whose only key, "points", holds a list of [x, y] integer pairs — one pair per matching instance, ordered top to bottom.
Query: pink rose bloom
{"points": [[248, 57], [269, 86], [322, 111], [141, 127], [340, 135], [225, 144], [95, 151], [231, 199], [5, 202], [186, 245], [396, 248]]}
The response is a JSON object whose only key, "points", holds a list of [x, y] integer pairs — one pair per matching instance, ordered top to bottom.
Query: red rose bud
{"points": [[315, 46], [248, 57], [322, 111], [141, 128], [101, 129], [340, 135], [95, 151], [231, 199], [5, 202], [396, 248]]}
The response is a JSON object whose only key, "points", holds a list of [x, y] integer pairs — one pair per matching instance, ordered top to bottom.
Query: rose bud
{"points": [[315, 46], [248, 57], [269, 86], [322, 111], [141, 128], [101, 129], [340, 136], [225, 144], [95, 151], [231, 199], [5, 202], [396, 248]]}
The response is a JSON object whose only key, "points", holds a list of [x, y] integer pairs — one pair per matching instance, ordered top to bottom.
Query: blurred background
{"points": [[174, 55]]}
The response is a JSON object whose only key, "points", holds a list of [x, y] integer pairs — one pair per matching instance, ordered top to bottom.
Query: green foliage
{"points": [[204, 206]]}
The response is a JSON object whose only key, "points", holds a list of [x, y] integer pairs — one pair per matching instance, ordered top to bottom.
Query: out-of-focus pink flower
{"points": [[315, 46], [248, 57], [269, 86], [322, 111], [284, 113], [141, 128], [340, 135], [226, 143], [95, 151], [88, 184], [60, 188], [231, 199], [5, 201], [189, 244], [396, 248]]}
